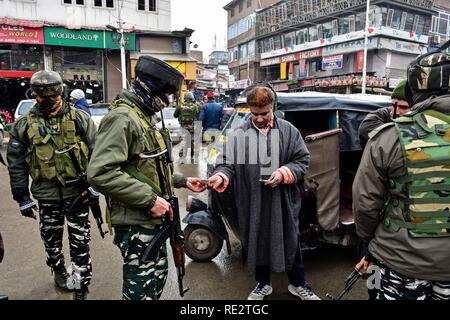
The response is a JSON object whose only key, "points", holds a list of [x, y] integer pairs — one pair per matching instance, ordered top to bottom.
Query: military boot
{"points": [[62, 279], [80, 294]]}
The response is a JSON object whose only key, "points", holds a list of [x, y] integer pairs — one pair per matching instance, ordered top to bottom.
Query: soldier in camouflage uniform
{"points": [[187, 114], [49, 126], [132, 182], [401, 195]]}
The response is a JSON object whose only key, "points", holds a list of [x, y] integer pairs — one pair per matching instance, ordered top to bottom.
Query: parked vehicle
{"points": [[23, 107], [98, 111], [171, 124], [329, 125]]}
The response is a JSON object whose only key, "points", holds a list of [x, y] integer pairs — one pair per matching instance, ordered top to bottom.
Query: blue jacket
{"points": [[82, 104], [211, 116]]}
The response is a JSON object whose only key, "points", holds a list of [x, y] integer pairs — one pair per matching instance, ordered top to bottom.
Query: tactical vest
{"points": [[187, 114], [47, 137], [146, 170], [423, 193]]}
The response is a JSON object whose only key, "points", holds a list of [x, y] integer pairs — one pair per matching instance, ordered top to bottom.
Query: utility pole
{"points": [[366, 41], [123, 67]]}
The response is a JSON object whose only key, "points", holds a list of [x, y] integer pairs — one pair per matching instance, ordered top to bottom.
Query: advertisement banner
{"points": [[21, 35], [74, 38], [310, 54], [359, 61], [269, 62], [333, 62], [283, 70]]}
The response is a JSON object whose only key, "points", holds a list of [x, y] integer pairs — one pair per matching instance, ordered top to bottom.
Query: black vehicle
{"points": [[329, 125]]}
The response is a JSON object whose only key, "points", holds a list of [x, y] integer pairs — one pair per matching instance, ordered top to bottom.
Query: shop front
{"points": [[21, 55], [79, 56]]}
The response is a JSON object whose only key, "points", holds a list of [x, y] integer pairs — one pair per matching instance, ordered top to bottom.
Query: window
{"points": [[77, 2], [104, 3], [249, 3], [141, 5], [151, 5], [240, 5], [232, 12], [396, 19], [360, 21], [409, 22], [351, 23], [420, 25], [327, 29], [313, 34], [302, 35], [289, 39], [277, 42], [243, 51]]}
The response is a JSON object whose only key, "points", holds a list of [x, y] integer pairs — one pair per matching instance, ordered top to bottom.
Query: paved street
{"points": [[24, 274]]}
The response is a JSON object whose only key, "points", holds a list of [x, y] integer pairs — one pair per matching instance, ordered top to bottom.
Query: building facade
{"points": [[74, 38], [318, 44], [243, 58]]}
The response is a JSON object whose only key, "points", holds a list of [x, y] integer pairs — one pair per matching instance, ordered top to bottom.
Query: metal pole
{"points": [[366, 35], [123, 67]]}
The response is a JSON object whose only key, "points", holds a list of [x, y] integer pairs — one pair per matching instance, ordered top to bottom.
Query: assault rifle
{"points": [[87, 193], [170, 229], [351, 280]]}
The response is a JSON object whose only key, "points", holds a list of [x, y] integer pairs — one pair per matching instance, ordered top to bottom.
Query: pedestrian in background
{"points": [[79, 101]]}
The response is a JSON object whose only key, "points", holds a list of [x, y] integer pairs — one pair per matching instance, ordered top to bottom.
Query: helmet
{"points": [[430, 72], [158, 75], [46, 84], [189, 96]]}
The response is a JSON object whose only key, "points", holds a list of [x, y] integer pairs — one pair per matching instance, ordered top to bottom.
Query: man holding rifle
{"points": [[52, 125], [132, 166]]}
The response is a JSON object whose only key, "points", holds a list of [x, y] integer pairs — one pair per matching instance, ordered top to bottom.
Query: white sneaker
{"points": [[260, 292], [304, 292]]}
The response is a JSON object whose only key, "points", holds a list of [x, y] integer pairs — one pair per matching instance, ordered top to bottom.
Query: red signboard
{"points": [[21, 35], [359, 61], [16, 74]]}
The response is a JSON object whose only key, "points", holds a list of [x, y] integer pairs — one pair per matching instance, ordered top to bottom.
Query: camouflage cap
{"points": [[430, 72], [46, 83]]}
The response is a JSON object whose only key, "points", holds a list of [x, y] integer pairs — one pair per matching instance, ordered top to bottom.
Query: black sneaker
{"points": [[62, 279], [80, 294]]}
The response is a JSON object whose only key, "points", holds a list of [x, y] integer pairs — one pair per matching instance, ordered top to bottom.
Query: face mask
{"points": [[47, 103]]}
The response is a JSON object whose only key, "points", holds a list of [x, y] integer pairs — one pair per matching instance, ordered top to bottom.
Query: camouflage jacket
{"points": [[120, 141], [19, 169], [423, 258]]}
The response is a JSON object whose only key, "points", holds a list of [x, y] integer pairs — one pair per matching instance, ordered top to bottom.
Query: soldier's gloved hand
{"points": [[28, 208]]}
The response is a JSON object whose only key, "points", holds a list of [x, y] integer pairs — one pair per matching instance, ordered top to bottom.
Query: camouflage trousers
{"points": [[51, 220], [141, 280], [395, 286]]}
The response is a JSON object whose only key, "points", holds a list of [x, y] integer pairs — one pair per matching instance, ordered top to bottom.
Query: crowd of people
{"points": [[400, 193]]}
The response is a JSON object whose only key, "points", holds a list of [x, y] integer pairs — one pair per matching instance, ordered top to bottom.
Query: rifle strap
{"points": [[133, 171]]}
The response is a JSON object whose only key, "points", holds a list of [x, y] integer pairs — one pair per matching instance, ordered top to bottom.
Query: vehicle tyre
{"points": [[201, 244]]}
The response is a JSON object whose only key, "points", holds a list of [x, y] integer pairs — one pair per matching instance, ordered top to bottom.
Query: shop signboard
{"points": [[21, 35], [74, 38], [113, 40], [401, 46], [347, 47], [270, 62], [332, 62], [302, 68], [241, 84]]}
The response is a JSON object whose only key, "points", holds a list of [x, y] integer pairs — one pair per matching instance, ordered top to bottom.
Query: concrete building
{"points": [[143, 14], [440, 23], [72, 38], [318, 45], [243, 58]]}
